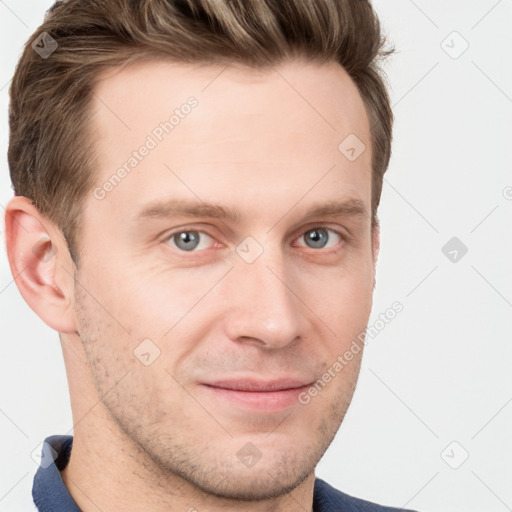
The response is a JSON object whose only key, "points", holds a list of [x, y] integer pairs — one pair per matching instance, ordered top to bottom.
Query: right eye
{"points": [[189, 241]]}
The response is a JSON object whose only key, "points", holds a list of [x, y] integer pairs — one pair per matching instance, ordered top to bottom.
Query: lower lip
{"points": [[264, 401]]}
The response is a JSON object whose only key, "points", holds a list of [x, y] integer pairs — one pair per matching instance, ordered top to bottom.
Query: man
{"points": [[197, 185]]}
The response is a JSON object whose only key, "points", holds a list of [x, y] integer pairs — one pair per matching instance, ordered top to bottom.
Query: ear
{"points": [[375, 241], [375, 248], [40, 264]]}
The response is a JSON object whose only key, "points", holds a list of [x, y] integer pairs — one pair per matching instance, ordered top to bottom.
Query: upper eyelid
{"points": [[312, 226]]}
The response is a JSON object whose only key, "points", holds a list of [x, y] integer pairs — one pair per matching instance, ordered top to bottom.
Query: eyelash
{"points": [[343, 238]]}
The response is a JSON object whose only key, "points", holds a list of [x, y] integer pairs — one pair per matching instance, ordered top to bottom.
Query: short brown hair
{"points": [[51, 156]]}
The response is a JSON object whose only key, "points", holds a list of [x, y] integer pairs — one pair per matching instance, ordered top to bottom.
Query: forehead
{"points": [[320, 95], [228, 132]]}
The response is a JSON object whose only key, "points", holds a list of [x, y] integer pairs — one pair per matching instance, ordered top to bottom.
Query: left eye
{"points": [[320, 238], [190, 240]]}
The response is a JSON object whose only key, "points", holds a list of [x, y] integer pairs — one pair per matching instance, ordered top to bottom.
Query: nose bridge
{"points": [[262, 305]]}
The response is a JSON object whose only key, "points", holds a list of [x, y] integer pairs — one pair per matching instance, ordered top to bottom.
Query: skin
{"points": [[160, 437]]}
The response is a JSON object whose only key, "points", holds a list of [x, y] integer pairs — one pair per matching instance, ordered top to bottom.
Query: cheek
{"points": [[342, 298], [143, 300], [158, 302], [162, 313], [126, 364]]}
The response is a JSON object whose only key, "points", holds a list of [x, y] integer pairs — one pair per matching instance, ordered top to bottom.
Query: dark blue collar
{"points": [[49, 492]]}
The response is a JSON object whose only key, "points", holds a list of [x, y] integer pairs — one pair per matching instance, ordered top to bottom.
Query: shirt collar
{"points": [[49, 491]]}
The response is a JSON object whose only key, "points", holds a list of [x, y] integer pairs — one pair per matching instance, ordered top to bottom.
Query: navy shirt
{"points": [[51, 494]]}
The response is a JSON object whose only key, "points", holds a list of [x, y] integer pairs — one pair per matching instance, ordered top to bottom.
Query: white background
{"points": [[441, 371]]}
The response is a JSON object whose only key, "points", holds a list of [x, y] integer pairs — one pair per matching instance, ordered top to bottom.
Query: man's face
{"points": [[204, 332]]}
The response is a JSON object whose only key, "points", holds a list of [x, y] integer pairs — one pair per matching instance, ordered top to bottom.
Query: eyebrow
{"points": [[187, 208]]}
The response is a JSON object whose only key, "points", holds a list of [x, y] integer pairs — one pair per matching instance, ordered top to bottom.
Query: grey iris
{"points": [[317, 237], [187, 240]]}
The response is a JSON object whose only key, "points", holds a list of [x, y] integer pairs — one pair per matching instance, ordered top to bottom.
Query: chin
{"points": [[272, 472], [252, 484]]}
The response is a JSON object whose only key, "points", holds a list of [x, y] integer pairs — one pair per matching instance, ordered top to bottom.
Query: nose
{"points": [[264, 307]]}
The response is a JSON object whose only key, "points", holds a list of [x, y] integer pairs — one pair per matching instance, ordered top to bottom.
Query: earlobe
{"points": [[40, 264]]}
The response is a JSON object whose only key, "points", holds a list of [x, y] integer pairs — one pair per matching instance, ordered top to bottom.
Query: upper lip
{"points": [[250, 384]]}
